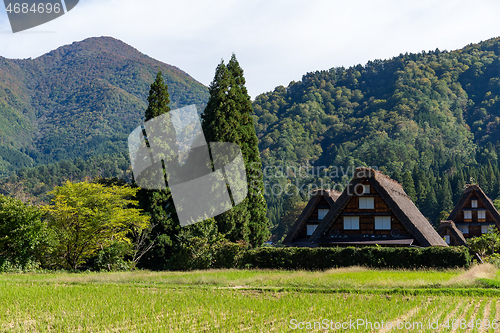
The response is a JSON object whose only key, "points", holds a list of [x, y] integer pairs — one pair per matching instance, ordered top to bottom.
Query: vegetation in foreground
{"points": [[236, 300]]}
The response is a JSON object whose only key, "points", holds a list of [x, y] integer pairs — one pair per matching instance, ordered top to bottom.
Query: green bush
{"points": [[25, 239], [227, 254], [112, 258], [325, 258]]}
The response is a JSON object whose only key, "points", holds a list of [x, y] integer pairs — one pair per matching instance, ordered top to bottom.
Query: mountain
{"points": [[80, 100], [430, 120]]}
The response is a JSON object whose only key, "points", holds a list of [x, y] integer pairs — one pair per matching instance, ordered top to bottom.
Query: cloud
{"points": [[276, 41]]}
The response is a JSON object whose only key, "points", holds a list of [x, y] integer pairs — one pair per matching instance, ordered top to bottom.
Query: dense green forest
{"points": [[80, 100], [430, 120]]}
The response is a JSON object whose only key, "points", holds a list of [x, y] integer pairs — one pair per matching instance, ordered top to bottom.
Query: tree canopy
{"points": [[88, 217]]}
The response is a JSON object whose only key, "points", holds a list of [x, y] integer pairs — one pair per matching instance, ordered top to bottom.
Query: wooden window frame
{"points": [[366, 200]]}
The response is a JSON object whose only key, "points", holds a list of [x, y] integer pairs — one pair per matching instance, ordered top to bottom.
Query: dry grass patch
{"points": [[469, 277]]}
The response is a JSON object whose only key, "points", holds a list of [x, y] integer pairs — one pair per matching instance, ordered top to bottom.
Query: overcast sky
{"points": [[275, 41]]}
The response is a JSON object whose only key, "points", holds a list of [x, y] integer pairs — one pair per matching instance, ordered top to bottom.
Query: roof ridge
{"points": [[378, 173]]}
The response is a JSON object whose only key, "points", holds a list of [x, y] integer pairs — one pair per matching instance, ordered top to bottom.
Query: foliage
{"points": [[158, 99], [80, 100], [227, 118], [429, 120], [33, 184], [158, 204], [292, 208], [89, 217], [24, 238], [487, 244], [201, 246], [379, 257], [112, 258]]}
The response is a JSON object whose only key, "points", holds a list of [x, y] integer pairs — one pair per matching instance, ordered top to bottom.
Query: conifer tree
{"points": [[158, 99], [227, 118], [220, 124], [396, 175], [409, 186], [459, 187], [445, 196], [431, 202], [158, 203], [259, 225]]}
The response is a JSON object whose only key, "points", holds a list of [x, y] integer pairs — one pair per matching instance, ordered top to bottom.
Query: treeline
{"points": [[432, 118], [34, 183]]}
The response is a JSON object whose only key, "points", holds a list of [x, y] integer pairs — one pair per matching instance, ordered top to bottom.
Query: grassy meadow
{"points": [[252, 301]]}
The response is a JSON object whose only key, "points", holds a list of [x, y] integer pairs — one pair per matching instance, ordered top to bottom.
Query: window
{"points": [[366, 189], [366, 203], [474, 203], [322, 213], [467, 214], [481, 214], [351, 222], [382, 223], [311, 228], [463, 228], [484, 229], [447, 239]]}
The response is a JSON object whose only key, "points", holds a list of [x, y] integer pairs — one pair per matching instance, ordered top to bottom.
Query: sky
{"points": [[275, 41]]}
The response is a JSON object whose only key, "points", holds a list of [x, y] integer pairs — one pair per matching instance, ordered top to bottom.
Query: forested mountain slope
{"points": [[80, 100], [434, 116]]}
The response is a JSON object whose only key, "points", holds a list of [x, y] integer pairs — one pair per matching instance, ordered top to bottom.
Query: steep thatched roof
{"points": [[481, 195], [330, 196], [396, 199], [453, 230]]}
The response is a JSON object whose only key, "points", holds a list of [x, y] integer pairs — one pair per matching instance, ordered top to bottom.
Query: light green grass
{"points": [[355, 277], [233, 300]]}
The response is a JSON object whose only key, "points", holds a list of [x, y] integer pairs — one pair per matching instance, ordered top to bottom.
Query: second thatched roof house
{"points": [[321, 202], [374, 209], [474, 213]]}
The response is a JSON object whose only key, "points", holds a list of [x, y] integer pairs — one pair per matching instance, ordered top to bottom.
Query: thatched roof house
{"points": [[321, 202], [374, 209], [474, 213], [452, 236]]}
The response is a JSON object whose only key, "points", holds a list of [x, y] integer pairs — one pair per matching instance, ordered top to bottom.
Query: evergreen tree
{"points": [[158, 99], [227, 118], [220, 124], [396, 175], [409, 186], [458, 189], [421, 194], [445, 196], [431, 202], [158, 203], [259, 224]]}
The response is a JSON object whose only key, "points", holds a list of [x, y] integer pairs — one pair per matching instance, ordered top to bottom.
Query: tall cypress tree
{"points": [[158, 99], [227, 118], [220, 124], [249, 143], [158, 203]]}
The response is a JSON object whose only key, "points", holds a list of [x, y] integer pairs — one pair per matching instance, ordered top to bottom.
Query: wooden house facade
{"points": [[321, 202], [374, 209], [474, 213], [452, 236]]}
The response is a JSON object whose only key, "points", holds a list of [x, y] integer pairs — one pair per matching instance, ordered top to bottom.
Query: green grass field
{"points": [[252, 301]]}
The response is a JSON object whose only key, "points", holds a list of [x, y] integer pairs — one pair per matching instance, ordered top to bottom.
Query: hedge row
{"points": [[200, 255], [379, 257]]}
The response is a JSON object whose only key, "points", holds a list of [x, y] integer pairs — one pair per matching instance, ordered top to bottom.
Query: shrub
{"points": [[25, 238], [324, 258]]}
